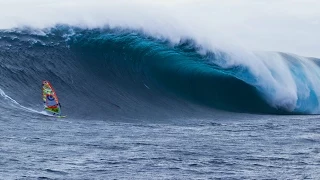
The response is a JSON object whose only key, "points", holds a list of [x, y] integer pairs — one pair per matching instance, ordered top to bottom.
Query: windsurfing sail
{"points": [[50, 98]]}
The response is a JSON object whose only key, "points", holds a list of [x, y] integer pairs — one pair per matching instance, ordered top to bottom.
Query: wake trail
{"points": [[17, 105]]}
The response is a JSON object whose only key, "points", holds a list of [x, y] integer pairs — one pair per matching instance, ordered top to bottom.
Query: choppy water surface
{"points": [[242, 147]]}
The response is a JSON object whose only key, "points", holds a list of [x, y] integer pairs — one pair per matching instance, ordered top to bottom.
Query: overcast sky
{"points": [[271, 25]]}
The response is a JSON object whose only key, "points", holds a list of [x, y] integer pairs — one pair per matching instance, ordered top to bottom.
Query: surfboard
{"points": [[50, 100], [53, 116], [61, 116]]}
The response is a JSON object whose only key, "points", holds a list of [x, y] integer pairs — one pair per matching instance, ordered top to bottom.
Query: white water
{"points": [[282, 25], [13, 103]]}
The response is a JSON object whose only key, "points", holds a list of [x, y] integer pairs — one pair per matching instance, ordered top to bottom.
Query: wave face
{"points": [[123, 72]]}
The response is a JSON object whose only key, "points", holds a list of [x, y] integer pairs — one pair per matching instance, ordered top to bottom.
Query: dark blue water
{"points": [[140, 107], [240, 146]]}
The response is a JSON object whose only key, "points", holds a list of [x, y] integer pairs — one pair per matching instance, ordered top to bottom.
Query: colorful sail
{"points": [[50, 99]]}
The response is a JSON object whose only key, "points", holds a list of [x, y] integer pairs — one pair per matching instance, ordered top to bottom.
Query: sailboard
{"points": [[50, 100]]}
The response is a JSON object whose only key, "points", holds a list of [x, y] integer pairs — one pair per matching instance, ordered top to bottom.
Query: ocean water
{"points": [[140, 106], [240, 146]]}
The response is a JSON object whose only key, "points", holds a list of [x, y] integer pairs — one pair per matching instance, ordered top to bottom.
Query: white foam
{"points": [[258, 25], [15, 104]]}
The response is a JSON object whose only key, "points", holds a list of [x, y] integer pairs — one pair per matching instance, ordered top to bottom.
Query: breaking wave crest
{"points": [[124, 72]]}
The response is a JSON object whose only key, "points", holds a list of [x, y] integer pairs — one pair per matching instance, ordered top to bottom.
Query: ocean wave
{"points": [[123, 71]]}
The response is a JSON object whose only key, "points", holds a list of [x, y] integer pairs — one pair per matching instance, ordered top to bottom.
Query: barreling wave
{"points": [[123, 72]]}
